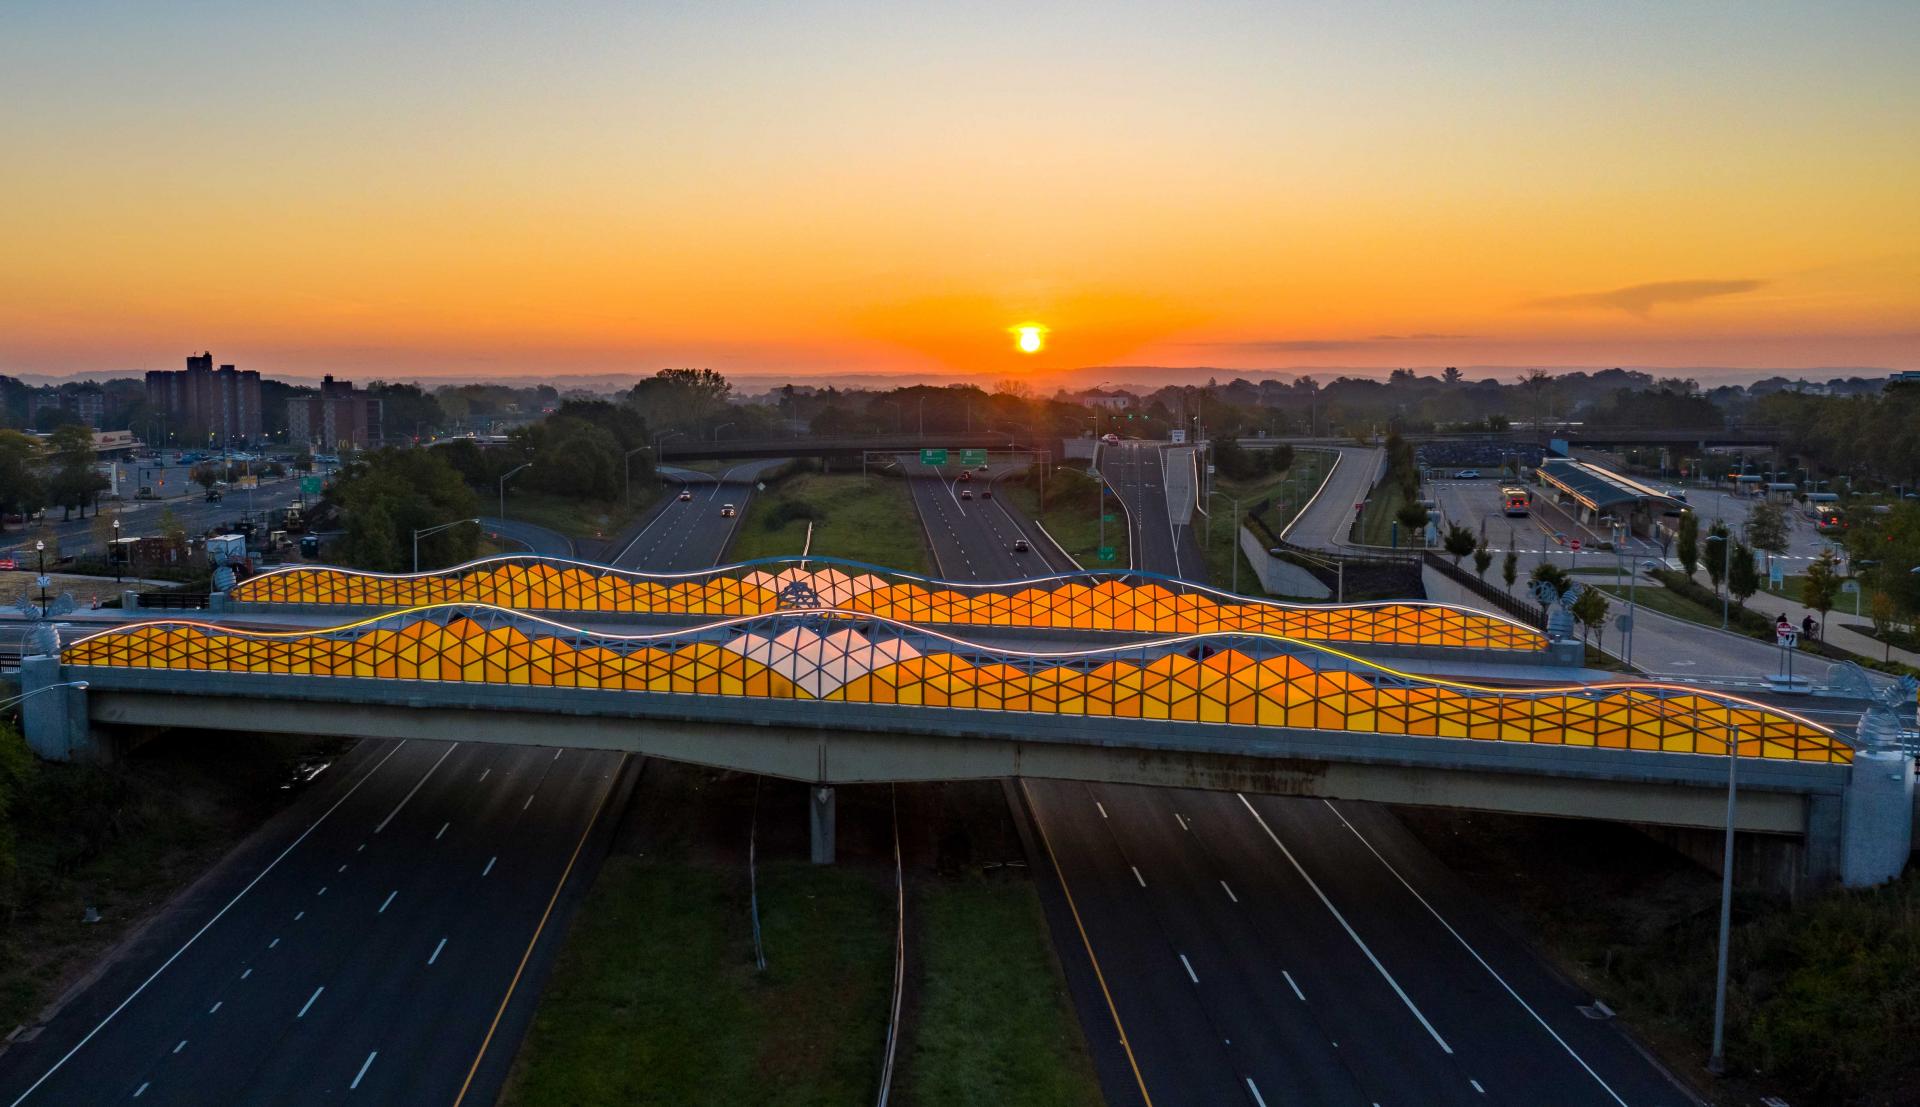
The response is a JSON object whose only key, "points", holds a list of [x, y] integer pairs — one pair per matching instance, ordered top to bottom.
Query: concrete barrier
{"points": [[1280, 577]]}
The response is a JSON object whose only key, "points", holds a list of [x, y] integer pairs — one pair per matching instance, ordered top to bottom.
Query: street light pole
{"points": [[503, 487], [425, 531], [40, 547], [114, 552], [80, 684], [1717, 1060]]}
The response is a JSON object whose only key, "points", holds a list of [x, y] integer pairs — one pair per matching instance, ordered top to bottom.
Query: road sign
{"points": [[1179, 436], [933, 457], [973, 458], [309, 486], [1107, 518], [1574, 545], [1106, 553], [1788, 639]]}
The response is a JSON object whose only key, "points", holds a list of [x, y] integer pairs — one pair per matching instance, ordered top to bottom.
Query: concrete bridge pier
{"points": [[55, 719], [1877, 818], [820, 820]]}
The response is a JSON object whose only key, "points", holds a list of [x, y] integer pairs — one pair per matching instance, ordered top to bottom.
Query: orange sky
{"points": [[411, 190]]}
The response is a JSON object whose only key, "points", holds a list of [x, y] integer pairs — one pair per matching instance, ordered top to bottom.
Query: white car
{"points": [[1467, 474], [685, 496], [726, 511]]}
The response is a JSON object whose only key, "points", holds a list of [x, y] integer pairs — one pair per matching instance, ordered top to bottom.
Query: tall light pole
{"points": [[716, 430], [503, 487], [425, 531], [1233, 535], [40, 547], [114, 550], [1726, 571], [80, 684], [1717, 1059]]}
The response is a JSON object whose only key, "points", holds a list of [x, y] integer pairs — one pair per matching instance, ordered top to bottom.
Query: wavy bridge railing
{"points": [[1099, 601], [1231, 678]]}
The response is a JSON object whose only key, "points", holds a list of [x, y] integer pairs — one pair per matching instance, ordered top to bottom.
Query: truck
{"points": [[234, 546]]}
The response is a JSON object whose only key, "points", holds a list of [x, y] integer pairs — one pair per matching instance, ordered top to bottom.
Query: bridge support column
{"points": [[55, 720], [820, 820], [1876, 832]]}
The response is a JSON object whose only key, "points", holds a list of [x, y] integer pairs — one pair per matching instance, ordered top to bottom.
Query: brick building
{"points": [[207, 406], [338, 415]]}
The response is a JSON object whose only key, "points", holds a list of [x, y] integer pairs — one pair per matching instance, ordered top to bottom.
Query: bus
{"points": [[1518, 500]]}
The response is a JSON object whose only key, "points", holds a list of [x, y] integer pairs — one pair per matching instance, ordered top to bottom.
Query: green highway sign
{"points": [[933, 457], [971, 458], [309, 486], [1107, 518], [1106, 553]]}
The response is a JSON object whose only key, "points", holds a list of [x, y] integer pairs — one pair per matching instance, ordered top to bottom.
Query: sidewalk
{"points": [[1831, 630]]}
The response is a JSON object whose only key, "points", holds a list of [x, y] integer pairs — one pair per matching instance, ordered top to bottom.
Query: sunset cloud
{"points": [[1640, 299]]}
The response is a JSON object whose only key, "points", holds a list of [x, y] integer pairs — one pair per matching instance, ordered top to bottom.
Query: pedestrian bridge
{"points": [[1129, 601]]}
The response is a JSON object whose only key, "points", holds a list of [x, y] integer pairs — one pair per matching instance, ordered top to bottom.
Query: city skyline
{"points": [[865, 190]]}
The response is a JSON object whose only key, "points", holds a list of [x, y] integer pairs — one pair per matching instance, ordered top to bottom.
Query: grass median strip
{"points": [[860, 518], [655, 999], [995, 1026]]}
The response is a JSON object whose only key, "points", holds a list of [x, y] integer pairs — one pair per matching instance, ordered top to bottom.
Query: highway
{"points": [[1135, 472], [142, 517], [692, 534], [973, 539], [365, 941], [1228, 949]]}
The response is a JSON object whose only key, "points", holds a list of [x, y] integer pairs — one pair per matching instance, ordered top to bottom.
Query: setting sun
{"points": [[1030, 337]]}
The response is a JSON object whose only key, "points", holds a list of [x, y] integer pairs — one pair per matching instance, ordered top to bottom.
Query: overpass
{"points": [[851, 446], [830, 696]]}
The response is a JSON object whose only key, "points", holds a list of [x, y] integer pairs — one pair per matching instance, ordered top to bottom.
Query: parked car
{"points": [[1467, 474]]}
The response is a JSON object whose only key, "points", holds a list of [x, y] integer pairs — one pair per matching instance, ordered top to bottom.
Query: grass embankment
{"points": [[1285, 493], [1073, 514], [575, 518], [868, 519], [1377, 519], [121, 839], [655, 999], [1824, 1002], [994, 1024]]}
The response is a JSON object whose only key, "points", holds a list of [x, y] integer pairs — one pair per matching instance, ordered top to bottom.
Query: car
{"points": [[1110, 439], [982, 469], [1467, 474], [965, 475], [966, 493], [986, 493], [213, 496], [685, 496], [727, 511], [1020, 545], [8, 564]]}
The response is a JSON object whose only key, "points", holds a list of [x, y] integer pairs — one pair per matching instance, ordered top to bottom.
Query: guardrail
{"points": [[1529, 613]]}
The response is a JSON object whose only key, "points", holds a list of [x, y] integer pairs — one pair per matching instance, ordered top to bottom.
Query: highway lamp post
{"points": [[716, 430], [628, 463], [503, 487], [425, 531], [40, 548], [114, 551], [1726, 571], [80, 684], [1717, 1059]]}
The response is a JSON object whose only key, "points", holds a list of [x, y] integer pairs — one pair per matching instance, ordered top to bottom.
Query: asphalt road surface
{"points": [[1135, 471], [142, 517], [682, 535], [973, 538], [537, 540], [368, 942], [1260, 950]]}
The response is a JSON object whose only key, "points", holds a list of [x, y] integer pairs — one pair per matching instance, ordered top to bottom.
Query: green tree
{"points": [[406, 410], [206, 476], [76, 477], [22, 492], [388, 494], [1412, 518], [1767, 528], [1460, 542], [1686, 545], [1717, 553], [1482, 558], [1510, 569], [1548, 571], [1743, 579], [1821, 586], [1881, 610], [1590, 611]]}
